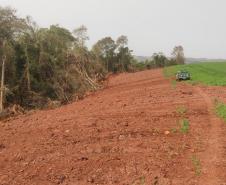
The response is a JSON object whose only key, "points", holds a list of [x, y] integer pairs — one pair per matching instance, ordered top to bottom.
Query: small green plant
{"points": [[181, 110], [221, 110], [184, 126], [197, 165]]}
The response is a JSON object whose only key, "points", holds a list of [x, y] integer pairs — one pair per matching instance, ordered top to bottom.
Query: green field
{"points": [[209, 73]]}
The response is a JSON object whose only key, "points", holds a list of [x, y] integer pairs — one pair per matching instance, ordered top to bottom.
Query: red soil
{"points": [[118, 136]]}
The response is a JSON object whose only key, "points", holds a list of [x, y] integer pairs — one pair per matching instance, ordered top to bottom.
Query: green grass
{"points": [[209, 73], [221, 110], [184, 126]]}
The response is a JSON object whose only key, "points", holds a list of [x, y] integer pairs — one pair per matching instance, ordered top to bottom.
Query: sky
{"points": [[150, 25]]}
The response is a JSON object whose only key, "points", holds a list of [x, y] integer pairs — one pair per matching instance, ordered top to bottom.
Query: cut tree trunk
{"points": [[2, 83]]}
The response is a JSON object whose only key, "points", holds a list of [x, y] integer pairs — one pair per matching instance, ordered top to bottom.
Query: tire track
{"points": [[212, 157]]}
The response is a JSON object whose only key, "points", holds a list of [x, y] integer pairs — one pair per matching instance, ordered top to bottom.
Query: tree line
{"points": [[159, 60], [44, 65]]}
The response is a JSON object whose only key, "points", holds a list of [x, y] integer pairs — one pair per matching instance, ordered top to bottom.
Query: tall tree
{"points": [[10, 24], [11, 27], [81, 35], [122, 41], [104, 49], [178, 54], [124, 55], [159, 59], [42, 64]]}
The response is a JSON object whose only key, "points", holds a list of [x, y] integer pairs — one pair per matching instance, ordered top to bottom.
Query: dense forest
{"points": [[45, 66]]}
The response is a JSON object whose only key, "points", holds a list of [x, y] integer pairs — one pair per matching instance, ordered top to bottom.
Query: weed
{"points": [[181, 110], [221, 110], [184, 126], [197, 165]]}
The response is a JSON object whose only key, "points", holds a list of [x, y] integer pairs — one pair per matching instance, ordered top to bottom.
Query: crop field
{"points": [[211, 73]]}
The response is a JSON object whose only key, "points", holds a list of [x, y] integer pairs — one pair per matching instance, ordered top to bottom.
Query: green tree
{"points": [[10, 28], [81, 35], [122, 41], [104, 49], [178, 54], [124, 56], [159, 60], [48, 64]]}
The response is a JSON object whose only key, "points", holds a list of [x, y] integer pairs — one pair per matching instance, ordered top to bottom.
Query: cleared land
{"points": [[210, 73], [141, 129]]}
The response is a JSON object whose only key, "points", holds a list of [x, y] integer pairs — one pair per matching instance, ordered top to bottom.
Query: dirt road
{"points": [[127, 134]]}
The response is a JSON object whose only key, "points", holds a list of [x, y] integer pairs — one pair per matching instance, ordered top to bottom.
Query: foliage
{"points": [[10, 24], [81, 35], [114, 55], [178, 55], [159, 60], [54, 64], [211, 73], [221, 110], [184, 126], [197, 165]]}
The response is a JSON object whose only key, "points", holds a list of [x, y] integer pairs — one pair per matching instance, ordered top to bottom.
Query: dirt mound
{"points": [[128, 133]]}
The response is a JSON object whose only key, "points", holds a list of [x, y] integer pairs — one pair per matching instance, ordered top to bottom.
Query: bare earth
{"points": [[118, 136]]}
